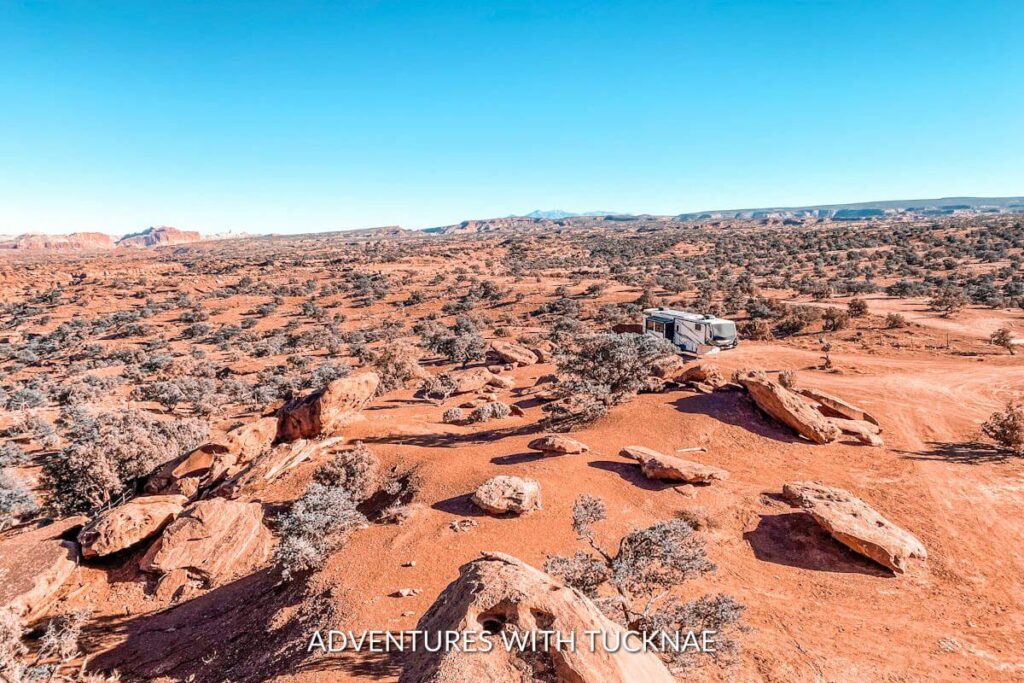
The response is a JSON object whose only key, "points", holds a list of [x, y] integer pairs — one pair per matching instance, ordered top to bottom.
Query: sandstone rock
{"points": [[513, 353], [668, 366], [706, 374], [473, 379], [502, 382], [833, 406], [789, 409], [325, 411], [866, 432], [558, 444], [274, 463], [207, 464], [657, 465], [502, 494], [856, 524], [124, 526], [213, 539], [35, 564], [499, 592]]}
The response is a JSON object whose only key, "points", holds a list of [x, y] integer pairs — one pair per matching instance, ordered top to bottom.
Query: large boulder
{"points": [[513, 353], [706, 374], [473, 379], [833, 406], [789, 409], [323, 412], [556, 444], [281, 458], [657, 465], [502, 494], [856, 524], [124, 526], [213, 540], [35, 564], [498, 592]]}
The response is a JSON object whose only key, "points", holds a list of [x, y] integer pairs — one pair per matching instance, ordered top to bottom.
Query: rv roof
{"points": [[670, 313]]}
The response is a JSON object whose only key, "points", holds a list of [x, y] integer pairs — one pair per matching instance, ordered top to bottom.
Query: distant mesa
{"points": [[158, 237], [76, 241], [97, 241]]}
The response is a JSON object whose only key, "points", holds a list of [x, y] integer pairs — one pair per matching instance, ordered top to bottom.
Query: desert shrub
{"points": [[948, 300], [857, 308], [835, 319], [895, 320], [789, 326], [757, 330], [1003, 337], [461, 344], [396, 364], [616, 365], [324, 374], [787, 378], [439, 387], [200, 393], [26, 398], [493, 410], [452, 416], [1006, 428], [11, 454], [109, 456], [356, 470], [16, 500], [317, 524], [641, 574], [60, 641], [11, 647]]}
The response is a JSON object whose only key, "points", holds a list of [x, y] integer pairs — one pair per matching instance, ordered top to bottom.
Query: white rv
{"points": [[691, 332]]}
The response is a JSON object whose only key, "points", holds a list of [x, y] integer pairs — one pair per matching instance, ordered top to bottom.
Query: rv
{"points": [[691, 332]]}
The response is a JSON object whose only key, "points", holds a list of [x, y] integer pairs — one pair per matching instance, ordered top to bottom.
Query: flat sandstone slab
{"points": [[856, 524]]}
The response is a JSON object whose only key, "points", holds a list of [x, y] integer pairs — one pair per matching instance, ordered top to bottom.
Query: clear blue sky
{"points": [[297, 116]]}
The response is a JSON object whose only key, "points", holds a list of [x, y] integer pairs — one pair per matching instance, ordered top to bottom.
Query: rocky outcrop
{"points": [[160, 236], [513, 353], [833, 406], [789, 409], [324, 412], [865, 432], [556, 444], [211, 462], [275, 462], [657, 465], [503, 494], [856, 524], [124, 526], [213, 540], [35, 564], [501, 593]]}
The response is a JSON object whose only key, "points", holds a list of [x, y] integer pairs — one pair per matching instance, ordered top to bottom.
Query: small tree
{"points": [[948, 300], [857, 308], [1003, 337], [1006, 428]]}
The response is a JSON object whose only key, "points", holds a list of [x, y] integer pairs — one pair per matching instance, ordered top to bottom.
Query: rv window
{"points": [[655, 326]]}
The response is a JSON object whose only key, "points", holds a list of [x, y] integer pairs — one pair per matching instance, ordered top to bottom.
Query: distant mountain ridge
{"points": [[860, 210], [555, 214]]}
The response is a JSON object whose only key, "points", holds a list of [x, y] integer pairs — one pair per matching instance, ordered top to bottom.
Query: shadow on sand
{"points": [[734, 408], [968, 453], [794, 539]]}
